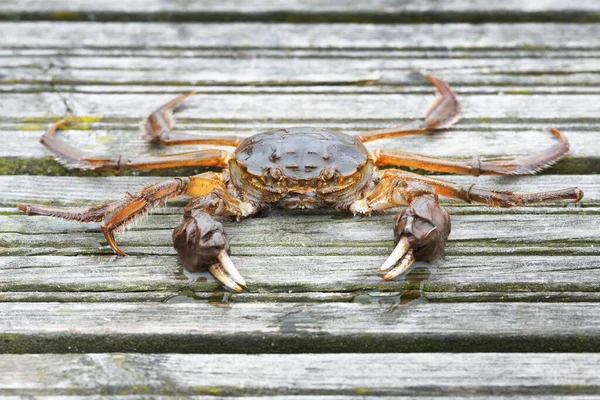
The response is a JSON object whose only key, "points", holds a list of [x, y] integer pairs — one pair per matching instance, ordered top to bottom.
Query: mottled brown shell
{"points": [[302, 153]]}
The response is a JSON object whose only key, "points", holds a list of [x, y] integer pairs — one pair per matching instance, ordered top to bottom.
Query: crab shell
{"points": [[301, 167]]}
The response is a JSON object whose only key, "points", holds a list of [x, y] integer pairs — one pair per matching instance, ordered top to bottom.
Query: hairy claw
{"points": [[426, 225], [421, 232], [203, 246]]}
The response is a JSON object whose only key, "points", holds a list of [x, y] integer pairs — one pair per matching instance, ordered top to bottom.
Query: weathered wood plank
{"points": [[314, 6], [383, 11], [295, 36], [301, 53], [472, 74], [285, 108], [30, 112], [514, 118], [22, 151], [81, 191], [305, 229], [487, 250], [539, 278], [367, 296], [216, 297], [298, 327], [444, 375]]}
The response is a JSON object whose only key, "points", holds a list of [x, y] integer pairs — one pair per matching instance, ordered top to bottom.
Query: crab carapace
{"points": [[302, 168]]}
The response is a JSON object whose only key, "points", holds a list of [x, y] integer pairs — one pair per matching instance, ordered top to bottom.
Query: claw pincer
{"points": [[420, 233], [202, 245]]}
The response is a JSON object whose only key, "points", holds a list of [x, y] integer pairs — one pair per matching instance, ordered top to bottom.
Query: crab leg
{"points": [[441, 114], [157, 128], [72, 157], [522, 165], [498, 198], [116, 214], [421, 230], [200, 241]]}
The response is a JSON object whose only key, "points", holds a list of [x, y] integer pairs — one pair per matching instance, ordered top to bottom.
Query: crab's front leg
{"points": [[420, 230], [201, 242]]}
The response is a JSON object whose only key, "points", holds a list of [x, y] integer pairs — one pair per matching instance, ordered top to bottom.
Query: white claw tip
{"points": [[399, 252], [407, 261], [228, 266], [223, 277]]}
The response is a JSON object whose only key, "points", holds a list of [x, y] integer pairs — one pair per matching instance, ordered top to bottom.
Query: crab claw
{"points": [[421, 232], [203, 246], [399, 251]]}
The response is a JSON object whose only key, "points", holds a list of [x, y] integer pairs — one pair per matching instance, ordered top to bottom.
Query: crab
{"points": [[301, 167]]}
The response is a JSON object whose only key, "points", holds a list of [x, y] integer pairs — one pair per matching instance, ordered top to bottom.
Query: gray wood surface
{"points": [[386, 11], [22, 35], [492, 252], [523, 279], [265, 327], [423, 375]]}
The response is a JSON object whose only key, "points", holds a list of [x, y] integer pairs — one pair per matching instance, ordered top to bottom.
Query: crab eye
{"points": [[276, 173], [329, 174]]}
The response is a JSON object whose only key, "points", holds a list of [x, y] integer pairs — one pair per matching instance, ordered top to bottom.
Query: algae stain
{"points": [[66, 15], [520, 92], [87, 118], [30, 127], [105, 139], [8, 337], [119, 359], [140, 389], [215, 391]]}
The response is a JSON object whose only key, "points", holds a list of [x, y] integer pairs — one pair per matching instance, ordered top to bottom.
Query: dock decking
{"points": [[75, 320]]}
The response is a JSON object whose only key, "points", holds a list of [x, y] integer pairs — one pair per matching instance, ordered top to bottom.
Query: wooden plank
{"points": [[381, 6], [302, 10], [299, 36], [384, 72], [294, 108], [22, 151], [73, 190], [302, 228], [489, 250], [159, 278], [298, 327], [325, 376]]}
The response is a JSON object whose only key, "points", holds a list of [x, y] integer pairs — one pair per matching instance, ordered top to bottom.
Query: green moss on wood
{"points": [[50, 167]]}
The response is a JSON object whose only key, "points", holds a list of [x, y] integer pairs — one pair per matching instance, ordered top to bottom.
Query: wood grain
{"points": [[381, 11], [76, 35], [522, 279], [298, 327], [307, 375]]}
